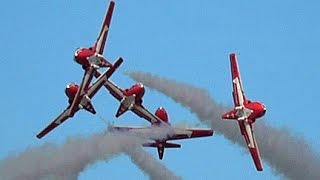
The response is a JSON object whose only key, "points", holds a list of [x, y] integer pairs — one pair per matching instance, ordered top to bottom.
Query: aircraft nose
{"points": [[76, 54], [141, 85], [264, 109]]}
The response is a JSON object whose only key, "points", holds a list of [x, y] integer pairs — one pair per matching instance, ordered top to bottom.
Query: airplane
{"points": [[92, 57], [80, 98], [130, 99], [245, 112], [159, 133]]}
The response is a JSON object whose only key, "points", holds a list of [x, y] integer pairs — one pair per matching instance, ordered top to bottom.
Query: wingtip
{"points": [[233, 56], [225, 116], [259, 168]]}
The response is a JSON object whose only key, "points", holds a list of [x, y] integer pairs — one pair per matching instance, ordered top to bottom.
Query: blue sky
{"points": [[277, 42]]}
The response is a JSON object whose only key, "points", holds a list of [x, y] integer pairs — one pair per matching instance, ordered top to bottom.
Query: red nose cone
{"points": [[81, 56], [71, 90], [139, 90], [142, 90], [264, 109], [162, 114]]}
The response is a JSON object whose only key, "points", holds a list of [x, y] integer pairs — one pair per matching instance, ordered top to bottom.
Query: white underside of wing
{"points": [[98, 47], [101, 79], [85, 81], [236, 81], [113, 88], [128, 102], [61, 116], [153, 118], [179, 131], [249, 133]]}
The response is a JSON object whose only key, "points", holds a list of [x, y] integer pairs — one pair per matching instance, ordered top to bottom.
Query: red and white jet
{"points": [[92, 57], [80, 98], [131, 99], [245, 112], [160, 133]]}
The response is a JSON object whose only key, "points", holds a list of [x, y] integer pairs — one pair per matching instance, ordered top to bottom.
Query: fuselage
{"points": [[81, 56], [137, 90], [71, 91], [258, 109], [252, 111]]}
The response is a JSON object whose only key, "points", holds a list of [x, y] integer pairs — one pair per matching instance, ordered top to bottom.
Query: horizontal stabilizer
{"points": [[126, 104], [89, 107], [230, 115], [166, 145], [172, 145], [161, 146]]}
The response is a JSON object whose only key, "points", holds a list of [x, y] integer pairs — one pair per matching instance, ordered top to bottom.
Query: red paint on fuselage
{"points": [[81, 56], [138, 90], [71, 91], [258, 109], [162, 114]]}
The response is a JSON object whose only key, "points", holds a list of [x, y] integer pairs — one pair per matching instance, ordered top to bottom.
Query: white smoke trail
{"points": [[285, 152], [67, 161], [148, 164]]}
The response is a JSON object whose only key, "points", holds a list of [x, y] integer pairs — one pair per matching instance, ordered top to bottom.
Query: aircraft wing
{"points": [[101, 41], [102, 78], [82, 90], [114, 90], [238, 92], [138, 109], [144, 113], [60, 119], [247, 132], [165, 133], [180, 133], [161, 134]]}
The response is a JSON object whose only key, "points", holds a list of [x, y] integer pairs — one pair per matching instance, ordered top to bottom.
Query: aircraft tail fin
{"points": [[126, 104], [87, 105], [121, 110], [230, 115], [161, 146]]}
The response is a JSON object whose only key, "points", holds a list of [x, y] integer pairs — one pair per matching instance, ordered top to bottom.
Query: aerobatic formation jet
{"points": [[91, 60], [131, 99], [245, 112], [160, 132]]}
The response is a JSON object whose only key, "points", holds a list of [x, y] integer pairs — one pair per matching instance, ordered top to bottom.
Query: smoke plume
{"points": [[286, 153], [67, 161], [148, 164]]}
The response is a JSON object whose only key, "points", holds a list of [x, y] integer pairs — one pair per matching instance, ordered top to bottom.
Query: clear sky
{"points": [[277, 41]]}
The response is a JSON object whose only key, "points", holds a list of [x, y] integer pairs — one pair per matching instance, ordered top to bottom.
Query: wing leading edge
{"points": [[101, 41], [238, 92], [250, 139]]}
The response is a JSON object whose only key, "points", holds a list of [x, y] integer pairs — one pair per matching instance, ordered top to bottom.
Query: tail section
{"points": [[126, 104], [90, 108], [230, 115], [161, 146]]}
